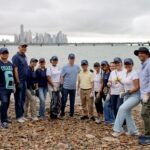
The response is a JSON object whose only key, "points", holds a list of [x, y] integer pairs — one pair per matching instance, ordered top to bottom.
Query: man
{"points": [[144, 54], [20, 62], [7, 71], [68, 79], [85, 85], [32, 86]]}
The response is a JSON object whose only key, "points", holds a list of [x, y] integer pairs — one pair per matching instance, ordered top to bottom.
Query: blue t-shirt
{"points": [[20, 62], [70, 73], [6, 76], [41, 77], [31, 78]]}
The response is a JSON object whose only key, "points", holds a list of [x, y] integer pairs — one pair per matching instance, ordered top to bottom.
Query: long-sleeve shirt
{"points": [[144, 76]]}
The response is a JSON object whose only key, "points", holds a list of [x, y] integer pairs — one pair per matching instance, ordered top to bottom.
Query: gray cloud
{"points": [[77, 17]]}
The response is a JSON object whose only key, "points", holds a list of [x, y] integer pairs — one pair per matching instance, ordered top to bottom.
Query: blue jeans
{"points": [[65, 94], [20, 96], [42, 97], [5, 99], [115, 102], [108, 112], [124, 113]]}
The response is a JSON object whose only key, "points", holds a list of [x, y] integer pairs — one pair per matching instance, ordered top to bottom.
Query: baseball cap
{"points": [[23, 44], [141, 49], [4, 50], [71, 56], [54, 58], [33, 60], [41, 60], [117, 60], [128, 61], [84, 62], [104, 63]]}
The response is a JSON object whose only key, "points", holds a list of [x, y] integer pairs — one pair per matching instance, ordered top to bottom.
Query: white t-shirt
{"points": [[54, 73], [97, 80], [128, 80], [117, 87]]}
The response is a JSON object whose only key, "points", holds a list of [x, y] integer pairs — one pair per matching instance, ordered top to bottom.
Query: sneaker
{"points": [[84, 117], [25, 118], [35, 118], [92, 118], [20, 120], [98, 121], [4, 125], [117, 134], [133, 134], [144, 140]]}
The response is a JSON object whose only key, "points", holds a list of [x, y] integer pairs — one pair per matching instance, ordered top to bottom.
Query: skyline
{"points": [[81, 20]]}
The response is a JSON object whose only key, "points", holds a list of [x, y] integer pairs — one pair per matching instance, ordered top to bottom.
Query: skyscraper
{"points": [[21, 33]]}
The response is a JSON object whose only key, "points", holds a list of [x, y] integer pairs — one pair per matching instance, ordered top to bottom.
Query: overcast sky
{"points": [[81, 20]]}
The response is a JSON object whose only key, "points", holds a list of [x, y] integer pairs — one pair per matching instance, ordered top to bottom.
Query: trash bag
{"points": [[55, 104]]}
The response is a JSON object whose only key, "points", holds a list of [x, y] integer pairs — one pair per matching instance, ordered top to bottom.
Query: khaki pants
{"points": [[50, 89], [30, 102], [86, 102], [146, 116]]}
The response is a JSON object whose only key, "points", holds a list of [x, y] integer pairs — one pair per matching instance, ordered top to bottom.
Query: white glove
{"points": [[91, 94], [145, 99]]}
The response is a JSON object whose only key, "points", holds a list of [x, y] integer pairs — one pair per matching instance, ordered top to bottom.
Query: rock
{"points": [[90, 136], [111, 139], [61, 146]]}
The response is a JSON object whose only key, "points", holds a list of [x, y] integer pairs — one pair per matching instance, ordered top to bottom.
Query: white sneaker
{"points": [[35, 118], [25, 119], [20, 120], [97, 120], [117, 134], [133, 134]]}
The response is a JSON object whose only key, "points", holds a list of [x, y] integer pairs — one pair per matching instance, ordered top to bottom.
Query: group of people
{"points": [[115, 88]]}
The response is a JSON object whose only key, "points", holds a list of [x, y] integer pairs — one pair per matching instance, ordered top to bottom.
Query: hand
{"points": [[109, 84], [18, 86], [91, 94], [122, 94], [98, 95], [145, 98]]}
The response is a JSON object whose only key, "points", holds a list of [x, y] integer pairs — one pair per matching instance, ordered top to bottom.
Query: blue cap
{"points": [[4, 50], [71, 56], [54, 58], [33, 60], [117, 60], [128, 61], [84, 62], [104, 63]]}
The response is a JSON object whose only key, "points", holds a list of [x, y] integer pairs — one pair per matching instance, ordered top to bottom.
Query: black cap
{"points": [[23, 44], [141, 49], [4, 50], [71, 56], [54, 58], [33, 60], [42, 60], [117, 60], [128, 61], [84, 62], [104, 63]]}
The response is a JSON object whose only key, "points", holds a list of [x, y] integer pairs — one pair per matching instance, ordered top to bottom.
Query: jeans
{"points": [[65, 94], [20, 96], [42, 97], [5, 100], [115, 102], [108, 112], [124, 113], [146, 117]]}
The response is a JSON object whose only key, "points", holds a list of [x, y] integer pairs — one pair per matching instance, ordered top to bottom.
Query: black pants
{"points": [[99, 103]]}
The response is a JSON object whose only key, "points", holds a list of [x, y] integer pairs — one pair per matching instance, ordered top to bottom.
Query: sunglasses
{"points": [[24, 46], [5, 53]]}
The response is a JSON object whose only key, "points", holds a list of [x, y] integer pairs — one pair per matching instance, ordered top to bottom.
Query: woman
{"points": [[53, 77], [42, 85], [116, 86], [103, 89], [131, 99], [108, 112]]}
